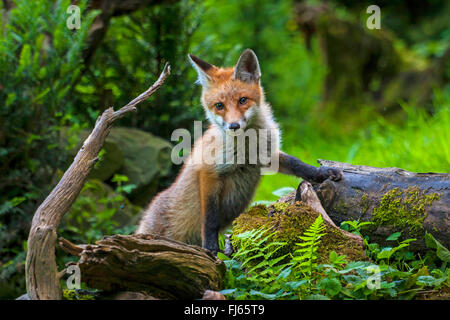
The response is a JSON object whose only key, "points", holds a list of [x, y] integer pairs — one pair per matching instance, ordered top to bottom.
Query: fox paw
{"points": [[328, 173]]}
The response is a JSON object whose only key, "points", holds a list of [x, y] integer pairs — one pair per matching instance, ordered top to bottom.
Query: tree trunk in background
{"points": [[109, 9], [363, 66], [392, 198]]}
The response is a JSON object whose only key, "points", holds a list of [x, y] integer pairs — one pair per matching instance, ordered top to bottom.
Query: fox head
{"points": [[230, 96]]}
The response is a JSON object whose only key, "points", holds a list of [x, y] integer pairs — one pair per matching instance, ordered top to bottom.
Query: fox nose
{"points": [[234, 126]]}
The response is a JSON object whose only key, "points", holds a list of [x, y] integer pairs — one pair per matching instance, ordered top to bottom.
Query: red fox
{"points": [[205, 196]]}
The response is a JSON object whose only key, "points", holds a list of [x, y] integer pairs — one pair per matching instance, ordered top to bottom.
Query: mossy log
{"points": [[392, 199], [291, 216], [147, 265]]}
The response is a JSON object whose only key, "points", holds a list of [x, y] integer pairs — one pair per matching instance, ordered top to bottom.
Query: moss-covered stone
{"points": [[405, 209], [291, 221]]}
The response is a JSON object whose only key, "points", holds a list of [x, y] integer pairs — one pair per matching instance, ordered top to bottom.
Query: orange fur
{"points": [[227, 90], [180, 212]]}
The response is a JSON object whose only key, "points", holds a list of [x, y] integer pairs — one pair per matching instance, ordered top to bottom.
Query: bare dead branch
{"points": [[131, 106], [69, 247], [151, 264], [41, 270]]}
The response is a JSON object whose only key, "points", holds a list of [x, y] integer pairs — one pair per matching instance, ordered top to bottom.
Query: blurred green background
{"points": [[339, 91]]}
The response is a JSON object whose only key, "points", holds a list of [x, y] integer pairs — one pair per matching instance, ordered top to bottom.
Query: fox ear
{"points": [[203, 68], [247, 68]]}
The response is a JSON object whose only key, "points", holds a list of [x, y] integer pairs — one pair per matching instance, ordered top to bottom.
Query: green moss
{"points": [[365, 203], [280, 206], [341, 206], [404, 208], [254, 218], [290, 221], [69, 294]]}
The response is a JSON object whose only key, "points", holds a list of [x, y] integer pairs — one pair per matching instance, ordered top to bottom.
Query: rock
{"points": [[139, 155], [146, 158], [112, 161], [97, 197]]}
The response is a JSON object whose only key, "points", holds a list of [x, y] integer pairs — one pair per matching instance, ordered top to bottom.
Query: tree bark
{"points": [[110, 9], [306, 194], [392, 199], [153, 265], [41, 273]]}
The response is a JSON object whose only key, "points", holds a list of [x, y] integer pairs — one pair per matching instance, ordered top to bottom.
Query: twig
{"points": [[130, 107], [69, 247]]}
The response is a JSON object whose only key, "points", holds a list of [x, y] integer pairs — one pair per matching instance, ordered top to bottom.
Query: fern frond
{"points": [[256, 252], [305, 257]]}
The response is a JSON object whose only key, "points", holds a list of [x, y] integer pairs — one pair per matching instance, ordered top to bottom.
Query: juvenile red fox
{"points": [[207, 196]]}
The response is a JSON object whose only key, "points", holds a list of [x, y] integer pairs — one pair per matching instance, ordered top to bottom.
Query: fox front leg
{"points": [[291, 165], [209, 200], [210, 225]]}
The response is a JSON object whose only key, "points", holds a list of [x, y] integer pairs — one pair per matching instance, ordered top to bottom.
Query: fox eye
{"points": [[243, 100], [219, 105]]}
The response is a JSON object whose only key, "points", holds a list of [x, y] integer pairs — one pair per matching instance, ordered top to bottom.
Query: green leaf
{"points": [[25, 59], [40, 96], [10, 98], [119, 178], [128, 188], [283, 191], [17, 200], [263, 202], [394, 236], [441, 251], [385, 253], [222, 257], [337, 259], [354, 265], [285, 273], [353, 279], [426, 280], [294, 285], [331, 285], [228, 291], [268, 296], [317, 297]]}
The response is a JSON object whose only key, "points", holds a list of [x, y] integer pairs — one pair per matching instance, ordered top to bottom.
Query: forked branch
{"points": [[41, 270]]}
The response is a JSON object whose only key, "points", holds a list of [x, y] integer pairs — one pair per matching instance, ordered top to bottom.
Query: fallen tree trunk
{"points": [[392, 199], [148, 264]]}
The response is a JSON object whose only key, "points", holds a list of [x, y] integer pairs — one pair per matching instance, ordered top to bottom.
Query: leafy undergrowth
{"points": [[256, 271]]}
